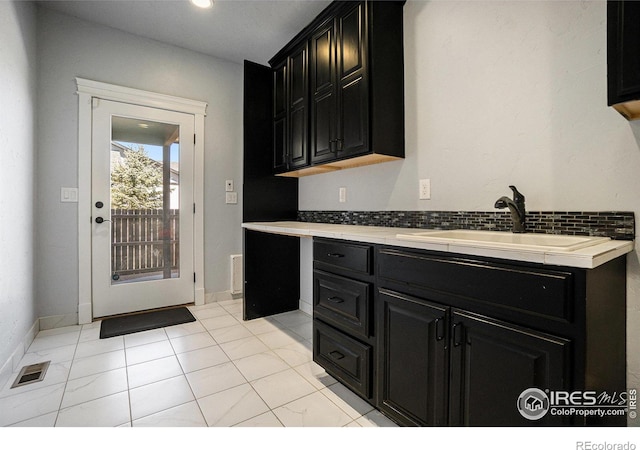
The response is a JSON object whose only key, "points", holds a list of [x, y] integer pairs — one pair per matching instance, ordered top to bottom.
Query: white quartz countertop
{"points": [[588, 257]]}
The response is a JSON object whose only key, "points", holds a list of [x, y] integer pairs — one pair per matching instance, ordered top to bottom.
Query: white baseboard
{"points": [[214, 297], [305, 307], [65, 320], [11, 364]]}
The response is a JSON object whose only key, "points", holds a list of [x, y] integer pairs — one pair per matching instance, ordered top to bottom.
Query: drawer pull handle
{"points": [[335, 255], [335, 299], [336, 354]]}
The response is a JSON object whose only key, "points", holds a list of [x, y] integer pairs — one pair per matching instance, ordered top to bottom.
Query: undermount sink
{"points": [[500, 239]]}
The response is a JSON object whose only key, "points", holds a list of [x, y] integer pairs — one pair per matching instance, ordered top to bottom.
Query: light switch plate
{"points": [[228, 186], [342, 194], [69, 195], [231, 198]]}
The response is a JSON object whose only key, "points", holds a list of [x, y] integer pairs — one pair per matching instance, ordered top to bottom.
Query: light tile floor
{"points": [[218, 371]]}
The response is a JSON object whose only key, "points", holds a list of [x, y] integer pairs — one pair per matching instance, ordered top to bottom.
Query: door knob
{"points": [[99, 204], [100, 220]]}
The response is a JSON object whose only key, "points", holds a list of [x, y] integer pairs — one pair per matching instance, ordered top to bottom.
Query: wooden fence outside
{"points": [[141, 243]]}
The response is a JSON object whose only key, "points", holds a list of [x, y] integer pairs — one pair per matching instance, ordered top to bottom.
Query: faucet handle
{"points": [[517, 196]]}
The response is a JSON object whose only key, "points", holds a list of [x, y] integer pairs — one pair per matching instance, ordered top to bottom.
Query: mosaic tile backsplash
{"points": [[613, 224]]}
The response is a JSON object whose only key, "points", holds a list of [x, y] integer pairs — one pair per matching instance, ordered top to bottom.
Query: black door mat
{"points": [[118, 326]]}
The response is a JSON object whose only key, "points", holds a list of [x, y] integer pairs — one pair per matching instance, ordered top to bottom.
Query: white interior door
{"points": [[142, 208]]}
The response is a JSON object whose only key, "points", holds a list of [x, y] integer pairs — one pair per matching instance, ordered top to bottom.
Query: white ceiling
{"points": [[233, 30]]}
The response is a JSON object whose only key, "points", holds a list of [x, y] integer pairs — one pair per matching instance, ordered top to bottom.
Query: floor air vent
{"points": [[31, 374]]}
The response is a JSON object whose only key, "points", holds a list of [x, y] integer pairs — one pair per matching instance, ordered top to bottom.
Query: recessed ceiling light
{"points": [[203, 3], [143, 125]]}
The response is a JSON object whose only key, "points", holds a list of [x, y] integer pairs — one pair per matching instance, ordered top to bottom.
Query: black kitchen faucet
{"points": [[516, 207]]}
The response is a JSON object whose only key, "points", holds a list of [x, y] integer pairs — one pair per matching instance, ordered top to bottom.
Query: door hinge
{"points": [[194, 139], [194, 208], [194, 277]]}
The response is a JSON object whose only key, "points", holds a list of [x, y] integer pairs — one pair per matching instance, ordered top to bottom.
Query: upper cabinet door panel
{"points": [[351, 41], [322, 51], [298, 74], [280, 90], [354, 118], [322, 127], [298, 137]]}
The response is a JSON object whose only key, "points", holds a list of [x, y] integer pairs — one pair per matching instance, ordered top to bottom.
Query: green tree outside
{"points": [[137, 182]]}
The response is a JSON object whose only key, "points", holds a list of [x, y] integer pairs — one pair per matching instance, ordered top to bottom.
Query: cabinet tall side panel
{"points": [[386, 53], [271, 262], [271, 274], [606, 335]]}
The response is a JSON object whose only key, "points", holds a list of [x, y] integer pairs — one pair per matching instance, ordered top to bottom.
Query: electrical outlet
{"points": [[228, 186], [425, 189], [342, 194]]}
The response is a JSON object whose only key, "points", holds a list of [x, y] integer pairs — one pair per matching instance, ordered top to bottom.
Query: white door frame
{"points": [[87, 90]]}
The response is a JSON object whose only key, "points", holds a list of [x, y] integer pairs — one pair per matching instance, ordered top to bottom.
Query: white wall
{"points": [[69, 48], [501, 93], [17, 133]]}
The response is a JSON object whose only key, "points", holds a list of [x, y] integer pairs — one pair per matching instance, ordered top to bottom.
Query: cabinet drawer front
{"points": [[346, 256], [545, 293], [342, 301], [343, 357]]}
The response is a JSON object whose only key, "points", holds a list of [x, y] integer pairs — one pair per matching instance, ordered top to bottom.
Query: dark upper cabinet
{"points": [[623, 57], [323, 93], [290, 109], [351, 112], [339, 119]]}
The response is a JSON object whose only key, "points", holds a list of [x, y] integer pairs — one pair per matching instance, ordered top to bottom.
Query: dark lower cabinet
{"points": [[460, 338], [456, 340], [413, 362], [492, 363], [440, 366]]}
